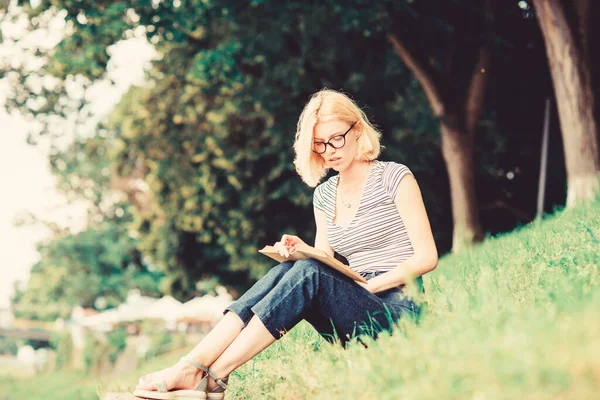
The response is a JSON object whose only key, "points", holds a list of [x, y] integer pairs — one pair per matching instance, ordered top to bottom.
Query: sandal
{"points": [[199, 393], [217, 393]]}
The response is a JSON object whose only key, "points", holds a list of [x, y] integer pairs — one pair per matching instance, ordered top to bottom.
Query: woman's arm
{"points": [[412, 211], [321, 241]]}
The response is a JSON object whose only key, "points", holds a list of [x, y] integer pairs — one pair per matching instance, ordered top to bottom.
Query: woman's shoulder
{"points": [[392, 168], [391, 173], [326, 185], [324, 192]]}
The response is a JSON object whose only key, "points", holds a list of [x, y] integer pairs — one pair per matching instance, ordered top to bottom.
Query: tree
{"points": [[568, 56], [455, 88], [210, 135], [203, 150], [102, 260], [77, 269]]}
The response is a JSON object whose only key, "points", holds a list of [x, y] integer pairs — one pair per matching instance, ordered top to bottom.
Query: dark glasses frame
{"points": [[343, 135]]}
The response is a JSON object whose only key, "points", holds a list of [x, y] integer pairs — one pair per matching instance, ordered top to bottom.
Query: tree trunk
{"points": [[586, 12], [574, 99], [458, 132], [457, 149]]}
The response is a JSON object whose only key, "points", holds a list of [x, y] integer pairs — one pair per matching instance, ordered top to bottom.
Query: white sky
{"points": [[25, 180]]}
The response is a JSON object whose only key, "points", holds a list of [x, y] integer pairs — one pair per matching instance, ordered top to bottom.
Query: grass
{"points": [[513, 318], [70, 385]]}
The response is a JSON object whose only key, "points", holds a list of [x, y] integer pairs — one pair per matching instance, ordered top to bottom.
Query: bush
{"points": [[161, 340], [117, 341], [62, 344], [8, 345], [93, 352]]}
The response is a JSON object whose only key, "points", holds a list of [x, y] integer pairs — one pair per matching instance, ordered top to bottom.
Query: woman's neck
{"points": [[355, 173]]}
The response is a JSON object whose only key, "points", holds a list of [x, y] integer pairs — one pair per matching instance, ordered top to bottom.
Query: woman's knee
{"points": [[307, 266], [281, 268]]}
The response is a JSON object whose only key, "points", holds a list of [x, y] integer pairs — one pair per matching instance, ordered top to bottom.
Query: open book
{"points": [[302, 251]]}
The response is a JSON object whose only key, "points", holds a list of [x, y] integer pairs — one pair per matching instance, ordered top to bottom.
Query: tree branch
{"points": [[425, 78]]}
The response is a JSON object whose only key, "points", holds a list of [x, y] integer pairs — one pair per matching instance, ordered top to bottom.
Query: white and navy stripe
{"points": [[376, 239]]}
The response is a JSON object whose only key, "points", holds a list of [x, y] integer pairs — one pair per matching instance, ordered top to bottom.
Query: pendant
{"points": [[347, 205]]}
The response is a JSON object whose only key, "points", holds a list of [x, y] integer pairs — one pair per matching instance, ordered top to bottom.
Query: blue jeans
{"points": [[331, 302]]}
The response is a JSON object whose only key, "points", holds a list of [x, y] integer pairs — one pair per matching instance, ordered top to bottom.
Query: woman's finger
{"points": [[286, 240], [290, 240], [280, 249]]}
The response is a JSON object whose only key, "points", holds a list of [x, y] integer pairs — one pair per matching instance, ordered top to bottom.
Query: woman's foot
{"points": [[180, 376]]}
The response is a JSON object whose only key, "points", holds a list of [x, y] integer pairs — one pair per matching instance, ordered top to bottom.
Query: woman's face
{"points": [[333, 132]]}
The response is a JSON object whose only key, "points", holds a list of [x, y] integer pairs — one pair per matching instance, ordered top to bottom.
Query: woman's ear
{"points": [[358, 128]]}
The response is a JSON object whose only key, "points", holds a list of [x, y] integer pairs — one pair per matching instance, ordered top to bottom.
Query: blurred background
{"points": [[146, 146]]}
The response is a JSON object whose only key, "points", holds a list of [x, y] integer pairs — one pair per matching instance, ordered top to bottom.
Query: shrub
{"points": [[62, 344]]}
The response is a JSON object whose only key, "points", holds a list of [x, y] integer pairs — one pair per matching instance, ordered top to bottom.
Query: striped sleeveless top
{"points": [[376, 240]]}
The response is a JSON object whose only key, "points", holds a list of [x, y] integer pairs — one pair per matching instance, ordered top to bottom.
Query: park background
{"points": [[166, 133]]}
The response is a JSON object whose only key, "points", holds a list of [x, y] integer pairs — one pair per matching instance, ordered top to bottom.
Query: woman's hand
{"points": [[287, 242], [365, 285]]}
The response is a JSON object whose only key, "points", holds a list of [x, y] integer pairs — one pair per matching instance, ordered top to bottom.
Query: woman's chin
{"points": [[336, 165]]}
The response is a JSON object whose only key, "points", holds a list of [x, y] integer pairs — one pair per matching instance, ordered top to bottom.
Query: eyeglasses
{"points": [[337, 142]]}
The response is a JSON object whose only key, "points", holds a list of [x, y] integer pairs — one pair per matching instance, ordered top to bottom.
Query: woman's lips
{"points": [[334, 159]]}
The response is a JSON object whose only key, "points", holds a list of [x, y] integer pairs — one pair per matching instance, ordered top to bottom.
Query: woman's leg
{"points": [[307, 287], [243, 306], [253, 339], [182, 375]]}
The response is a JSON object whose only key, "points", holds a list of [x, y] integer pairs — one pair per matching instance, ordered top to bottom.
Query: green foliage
{"points": [[214, 128], [210, 134], [76, 269], [161, 340], [117, 341], [62, 344], [9, 345], [98, 348], [94, 351]]}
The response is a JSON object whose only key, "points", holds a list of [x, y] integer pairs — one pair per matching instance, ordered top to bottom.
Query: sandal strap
{"points": [[194, 363], [222, 382]]}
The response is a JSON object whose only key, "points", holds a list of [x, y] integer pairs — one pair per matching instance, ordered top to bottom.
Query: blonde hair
{"points": [[323, 106]]}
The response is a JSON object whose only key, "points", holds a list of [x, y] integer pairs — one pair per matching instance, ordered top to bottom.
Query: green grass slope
{"points": [[516, 317]]}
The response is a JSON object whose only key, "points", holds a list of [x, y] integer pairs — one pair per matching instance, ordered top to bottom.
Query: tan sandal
{"points": [[217, 393]]}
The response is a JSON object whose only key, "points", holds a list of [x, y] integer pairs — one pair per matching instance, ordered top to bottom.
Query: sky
{"points": [[26, 182]]}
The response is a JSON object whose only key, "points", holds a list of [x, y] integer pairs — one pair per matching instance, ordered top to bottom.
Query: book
{"points": [[303, 251]]}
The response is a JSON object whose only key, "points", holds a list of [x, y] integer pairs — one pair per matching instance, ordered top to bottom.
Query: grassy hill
{"points": [[513, 318]]}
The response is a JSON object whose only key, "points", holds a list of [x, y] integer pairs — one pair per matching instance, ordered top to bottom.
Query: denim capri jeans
{"points": [[330, 301]]}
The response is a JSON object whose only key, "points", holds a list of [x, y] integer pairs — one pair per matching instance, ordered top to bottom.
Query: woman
{"points": [[371, 212]]}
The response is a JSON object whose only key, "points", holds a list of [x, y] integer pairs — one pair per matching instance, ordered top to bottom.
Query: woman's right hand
{"points": [[286, 243]]}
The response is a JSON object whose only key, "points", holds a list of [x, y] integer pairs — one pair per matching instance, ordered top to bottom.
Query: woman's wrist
{"points": [[388, 280], [375, 285]]}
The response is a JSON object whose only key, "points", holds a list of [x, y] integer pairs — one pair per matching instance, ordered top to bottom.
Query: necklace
{"points": [[349, 204]]}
